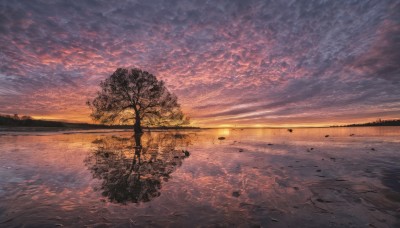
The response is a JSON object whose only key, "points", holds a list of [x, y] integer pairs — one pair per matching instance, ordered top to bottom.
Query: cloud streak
{"points": [[229, 62]]}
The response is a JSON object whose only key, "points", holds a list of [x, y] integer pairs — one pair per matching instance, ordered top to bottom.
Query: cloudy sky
{"points": [[243, 63]]}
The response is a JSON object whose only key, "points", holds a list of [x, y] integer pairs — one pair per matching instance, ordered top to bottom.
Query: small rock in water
{"points": [[290, 130], [179, 136], [326, 136], [221, 138], [312, 148], [373, 149], [241, 150], [187, 154], [318, 170], [340, 180], [296, 188], [236, 194], [323, 201]]}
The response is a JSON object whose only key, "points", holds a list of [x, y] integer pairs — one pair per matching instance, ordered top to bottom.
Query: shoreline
{"points": [[65, 129]]}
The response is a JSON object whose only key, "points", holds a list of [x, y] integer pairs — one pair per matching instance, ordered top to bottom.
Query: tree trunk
{"points": [[137, 127], [138, 141]]}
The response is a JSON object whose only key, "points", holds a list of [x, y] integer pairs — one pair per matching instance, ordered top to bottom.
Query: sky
{"points": [[231, 63]]}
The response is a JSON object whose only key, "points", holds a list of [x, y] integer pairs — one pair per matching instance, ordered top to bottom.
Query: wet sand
{"points": [[323, 177]]}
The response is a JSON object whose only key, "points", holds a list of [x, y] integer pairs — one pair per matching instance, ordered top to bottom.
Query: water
{"points": [[320, 177]]}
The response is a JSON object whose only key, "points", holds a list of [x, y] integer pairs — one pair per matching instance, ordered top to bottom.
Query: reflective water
{"points": [[335, 177]]}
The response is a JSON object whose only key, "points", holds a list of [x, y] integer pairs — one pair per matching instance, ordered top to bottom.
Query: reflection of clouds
{"points": [[324, 60]]}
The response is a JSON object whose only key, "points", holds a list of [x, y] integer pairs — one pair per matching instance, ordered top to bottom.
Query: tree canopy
{"points": [[136, 96]]}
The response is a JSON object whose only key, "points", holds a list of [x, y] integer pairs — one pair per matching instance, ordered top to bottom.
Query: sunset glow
{"points": [[231, 63]]}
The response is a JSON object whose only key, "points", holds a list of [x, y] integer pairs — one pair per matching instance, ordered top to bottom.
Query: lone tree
{"points": [[136, 96]]}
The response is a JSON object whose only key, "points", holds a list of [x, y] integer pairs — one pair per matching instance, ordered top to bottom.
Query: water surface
{"points": [[254, 177]]}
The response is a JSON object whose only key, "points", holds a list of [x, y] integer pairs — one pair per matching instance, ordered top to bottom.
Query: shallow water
{"points": [[320, 177]]}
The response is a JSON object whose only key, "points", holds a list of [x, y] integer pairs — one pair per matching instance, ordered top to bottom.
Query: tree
{"points": [[137, 96]]}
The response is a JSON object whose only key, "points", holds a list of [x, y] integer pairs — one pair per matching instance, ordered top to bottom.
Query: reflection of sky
{"points": [[230, 62], [45, 180]]}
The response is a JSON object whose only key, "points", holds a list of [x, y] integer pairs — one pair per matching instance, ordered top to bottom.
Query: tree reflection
{"points": [[133, 169]]}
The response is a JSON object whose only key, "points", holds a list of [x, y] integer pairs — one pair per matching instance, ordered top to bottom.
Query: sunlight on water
{"points": [[267, 177]]}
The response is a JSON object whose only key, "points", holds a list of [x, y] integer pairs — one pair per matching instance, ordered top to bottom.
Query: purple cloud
{"points": [[229, 62]]}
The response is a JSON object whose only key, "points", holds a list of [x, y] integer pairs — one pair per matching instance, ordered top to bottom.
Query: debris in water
{"points": [[290, 130], [326, 136], [221, 138], [241, 150]]}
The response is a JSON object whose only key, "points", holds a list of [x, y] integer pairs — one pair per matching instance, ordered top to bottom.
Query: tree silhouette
{"points": [[138, 96]]}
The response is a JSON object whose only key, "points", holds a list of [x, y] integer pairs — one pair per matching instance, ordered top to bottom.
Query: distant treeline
{"points": [[27, 121], [378, 122]]}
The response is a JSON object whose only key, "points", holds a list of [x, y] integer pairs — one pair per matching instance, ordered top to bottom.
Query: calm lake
{"points": [[317, 177]]}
